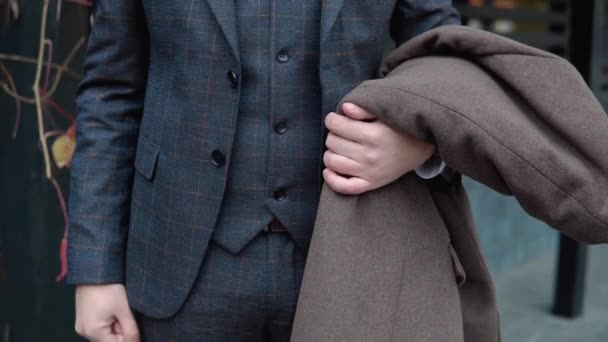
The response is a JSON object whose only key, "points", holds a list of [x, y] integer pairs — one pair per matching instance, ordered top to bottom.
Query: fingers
{"points": [[356, 113], [347, 128], [343, 146], [341, 164], [343, 185], [103, 314], [127, 326], [116, 328], [124, 329], [95, 331], [100, 334], [103, 334], [109, 337]]}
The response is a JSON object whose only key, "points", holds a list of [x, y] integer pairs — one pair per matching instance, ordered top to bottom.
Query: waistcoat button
{"points": [[283, 56], [233, 79], [280, 127], [218, 158], [280, 194]]}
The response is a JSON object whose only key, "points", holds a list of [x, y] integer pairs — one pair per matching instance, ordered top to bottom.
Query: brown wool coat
{"points": [[403, 263]]}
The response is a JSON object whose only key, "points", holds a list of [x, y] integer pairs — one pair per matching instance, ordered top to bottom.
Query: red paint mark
{"points": [[60, 109], [63, 247], [63, 259]]}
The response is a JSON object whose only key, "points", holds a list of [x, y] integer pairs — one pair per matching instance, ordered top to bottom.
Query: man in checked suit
{"points": [[201, 153]]}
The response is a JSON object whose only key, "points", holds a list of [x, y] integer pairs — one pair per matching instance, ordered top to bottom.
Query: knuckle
{"points": [[373, 135], [367, 136], [371, 156], [375, 176], [79, 328], [84, 328], [83, 331], [87, 333]]}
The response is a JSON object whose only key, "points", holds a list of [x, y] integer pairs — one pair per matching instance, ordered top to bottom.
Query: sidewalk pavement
{"points": [[525, 298]]}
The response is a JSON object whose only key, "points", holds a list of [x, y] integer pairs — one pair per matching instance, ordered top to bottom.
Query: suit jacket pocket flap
{"points": [[145, 157], [459, 272]]}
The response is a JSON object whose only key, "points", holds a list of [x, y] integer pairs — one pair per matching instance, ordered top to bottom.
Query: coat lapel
{"points": [[329, 13], [225, 14]]}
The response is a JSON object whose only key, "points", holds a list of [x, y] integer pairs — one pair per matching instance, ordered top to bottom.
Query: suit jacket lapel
{"points": [[329, 13], [225, 14]]}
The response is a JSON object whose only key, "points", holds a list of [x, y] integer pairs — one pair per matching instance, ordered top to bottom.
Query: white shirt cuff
{"points": [[431, 168]]}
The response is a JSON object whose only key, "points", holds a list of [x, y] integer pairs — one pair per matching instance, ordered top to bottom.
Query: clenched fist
{"points": [[365, 154], [103, 314]]}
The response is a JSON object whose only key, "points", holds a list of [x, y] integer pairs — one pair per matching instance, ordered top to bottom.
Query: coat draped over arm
{"points": [[402, 263]]}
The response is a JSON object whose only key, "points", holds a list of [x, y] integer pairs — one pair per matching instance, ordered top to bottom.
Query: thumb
{"points": [[356, 113], [126, 326]]}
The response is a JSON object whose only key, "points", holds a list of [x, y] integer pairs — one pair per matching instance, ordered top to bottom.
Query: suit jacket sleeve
{"points": [[412, 17], [109, 103]]}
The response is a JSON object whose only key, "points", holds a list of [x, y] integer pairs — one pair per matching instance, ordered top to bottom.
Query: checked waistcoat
{"points": [[276, 155]]}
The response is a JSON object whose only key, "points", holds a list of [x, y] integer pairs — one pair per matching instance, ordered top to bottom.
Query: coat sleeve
{"points": [[412, 17], [109, 104], [531, 128]]}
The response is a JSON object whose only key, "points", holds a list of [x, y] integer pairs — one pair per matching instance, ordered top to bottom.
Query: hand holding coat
{"points": [[402, 263]]}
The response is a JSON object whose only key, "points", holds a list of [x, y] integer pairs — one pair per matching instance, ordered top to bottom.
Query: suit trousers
{"points": [[249, 297]]}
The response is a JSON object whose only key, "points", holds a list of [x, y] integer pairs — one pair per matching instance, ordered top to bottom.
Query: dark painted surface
{"points": [[33, 306]]}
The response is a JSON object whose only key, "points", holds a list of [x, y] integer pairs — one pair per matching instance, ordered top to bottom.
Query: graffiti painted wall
{"points": [[42, 45]]}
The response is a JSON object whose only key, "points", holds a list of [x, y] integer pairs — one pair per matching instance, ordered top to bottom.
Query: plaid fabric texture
{"points": [[157, 119], [279, 129], [249, 298]]}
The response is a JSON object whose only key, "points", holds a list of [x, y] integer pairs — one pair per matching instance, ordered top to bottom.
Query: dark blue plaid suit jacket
{"points": [[157, 100]]}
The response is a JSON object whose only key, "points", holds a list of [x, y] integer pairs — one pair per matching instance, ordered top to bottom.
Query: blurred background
{"points": [[550, 288]]}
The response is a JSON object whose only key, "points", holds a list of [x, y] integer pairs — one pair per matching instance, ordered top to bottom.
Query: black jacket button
{"points": [[283, 56], [233, 79], [280, 127], [218, 158], [280, 194]]}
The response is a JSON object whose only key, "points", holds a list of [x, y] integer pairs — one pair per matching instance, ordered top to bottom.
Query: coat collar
{"points": [[225, 14]]}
